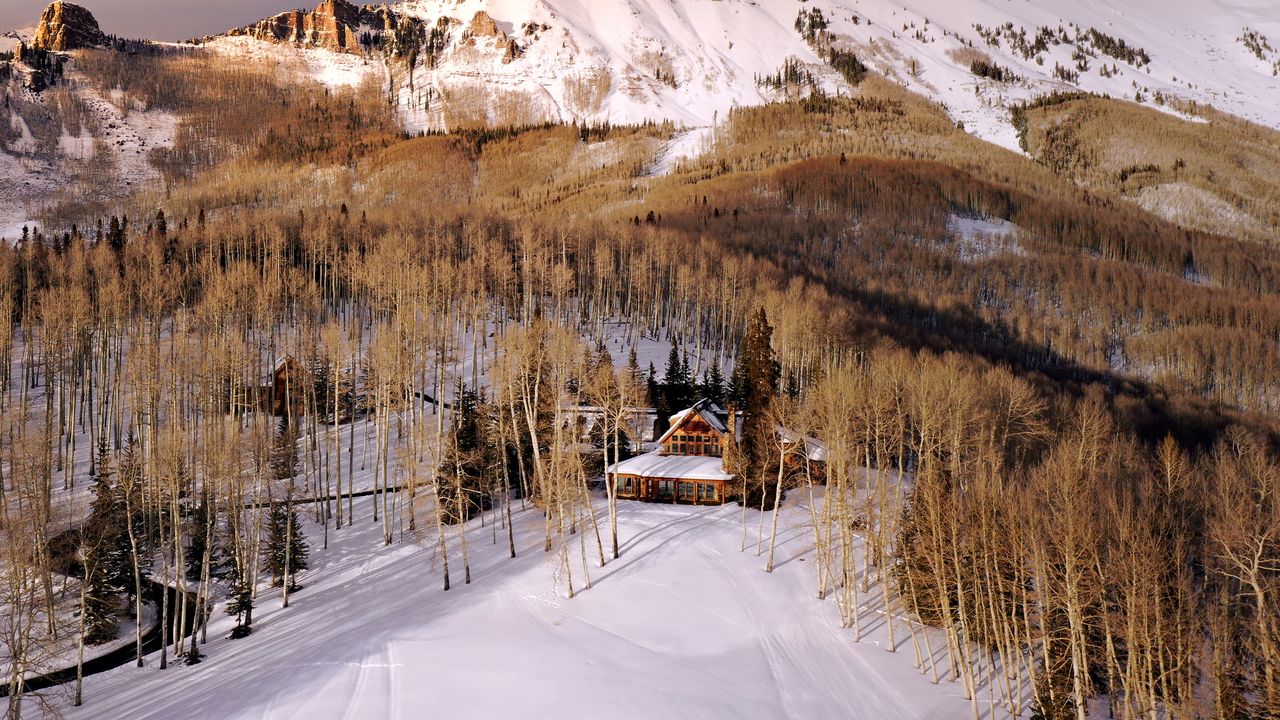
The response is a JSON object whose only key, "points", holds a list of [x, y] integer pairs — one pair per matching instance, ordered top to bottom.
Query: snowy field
{"points": [[683, 625]]}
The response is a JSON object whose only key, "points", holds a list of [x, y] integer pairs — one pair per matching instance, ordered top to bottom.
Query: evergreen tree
{"points": [[116, 235], [603, 358], [633, 369], [756, 379], [677, 382], [713, 383], [793, 385], [737, 393], [655, 397], [461, 478], [199, 541], [286, 546], [286, 549], [106, 555], [240, 602]]}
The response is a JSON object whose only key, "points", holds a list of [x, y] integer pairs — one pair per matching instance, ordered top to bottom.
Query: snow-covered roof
{"points": [[710, 413], [714, 416], [815, 449], [677, 467]]}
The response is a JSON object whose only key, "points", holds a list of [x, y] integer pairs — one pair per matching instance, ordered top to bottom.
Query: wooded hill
{"points": [[1087, 402]]}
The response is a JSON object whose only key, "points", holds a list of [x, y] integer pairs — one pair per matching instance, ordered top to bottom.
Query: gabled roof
{"points": [[710, 413], [717, 418], [814, 448]]}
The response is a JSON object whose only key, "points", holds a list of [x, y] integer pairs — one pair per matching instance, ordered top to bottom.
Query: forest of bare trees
{"points": [[1059, 463]]}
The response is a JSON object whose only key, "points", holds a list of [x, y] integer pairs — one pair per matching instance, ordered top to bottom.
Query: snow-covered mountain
{"points": [[690, 61], [453, 63]]}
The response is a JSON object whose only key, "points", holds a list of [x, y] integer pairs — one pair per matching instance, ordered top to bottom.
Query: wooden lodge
{"points": [[286, 395], [687, 466]]}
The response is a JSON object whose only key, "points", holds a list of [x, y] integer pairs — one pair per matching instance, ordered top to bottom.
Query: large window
{"points": [[697, 444], [626, 485], [666, 489], [687, 491], [706, 492]]}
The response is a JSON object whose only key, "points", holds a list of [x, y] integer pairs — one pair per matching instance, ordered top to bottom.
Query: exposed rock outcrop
{"points": [[334, 25], [65, 26], [484, 26]]}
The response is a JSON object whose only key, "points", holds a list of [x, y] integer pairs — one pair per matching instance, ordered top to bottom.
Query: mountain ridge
{"points": [[627, 61], [446, 63]]}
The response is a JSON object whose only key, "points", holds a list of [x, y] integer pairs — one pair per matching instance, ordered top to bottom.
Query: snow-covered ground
{"points": [[9, 39], [692, 61], [686, 145], [114, 147], [980, 238], [683, 625], [66, 651]]}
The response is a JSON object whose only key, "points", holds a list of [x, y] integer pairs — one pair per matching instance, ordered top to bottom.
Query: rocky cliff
{"points": [[334, 25], [65, 26]]}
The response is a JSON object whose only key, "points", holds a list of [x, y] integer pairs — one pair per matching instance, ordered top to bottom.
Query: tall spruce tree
{"points": [[634, 371], [756, 378], [713, 383], [678, 389], [461, 478], [286, 545], [286, 549], [106, 554], [240, 602]]}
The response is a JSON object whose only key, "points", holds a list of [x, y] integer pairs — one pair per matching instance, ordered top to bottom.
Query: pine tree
{"points": [[603, 358], [633, 369], [713, 383], [677, 384], [756, 385], [656, 397], [460, 480], [200, 540], [286, 546], [106, 554], [240, 602]]}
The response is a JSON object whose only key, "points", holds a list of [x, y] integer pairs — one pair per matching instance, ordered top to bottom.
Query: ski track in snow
{"points": [[683, 625]]}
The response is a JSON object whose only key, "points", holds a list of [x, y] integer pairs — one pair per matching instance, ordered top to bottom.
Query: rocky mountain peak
{"points": [[334, 25], [482, 25], [65, 26]]}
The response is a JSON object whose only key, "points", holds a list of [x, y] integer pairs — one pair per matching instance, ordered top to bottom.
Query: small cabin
{"points": [[288, 390]]}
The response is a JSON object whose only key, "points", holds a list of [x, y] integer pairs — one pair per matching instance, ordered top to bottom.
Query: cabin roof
{"points": [[710, 413], [716, 417], [814, 448], [676, 467]]}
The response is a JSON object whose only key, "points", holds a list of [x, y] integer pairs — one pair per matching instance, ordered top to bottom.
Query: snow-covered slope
{"points": [[9, 40], [690, 61], [683, 625]]}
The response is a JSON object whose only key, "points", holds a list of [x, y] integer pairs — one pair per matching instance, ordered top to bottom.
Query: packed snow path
{"points": [[683, 625]]}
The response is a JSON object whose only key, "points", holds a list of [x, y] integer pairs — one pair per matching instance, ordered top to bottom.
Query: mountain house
{"points": [[287, 392], [687, 466]]}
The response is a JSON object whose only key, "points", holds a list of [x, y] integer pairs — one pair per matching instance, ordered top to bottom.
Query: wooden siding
{"points": [[693, 436], [671, 490]]}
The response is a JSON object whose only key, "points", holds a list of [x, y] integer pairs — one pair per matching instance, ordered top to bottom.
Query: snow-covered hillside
{"points": [[9, 39], [690, 61], [683, 625]]}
